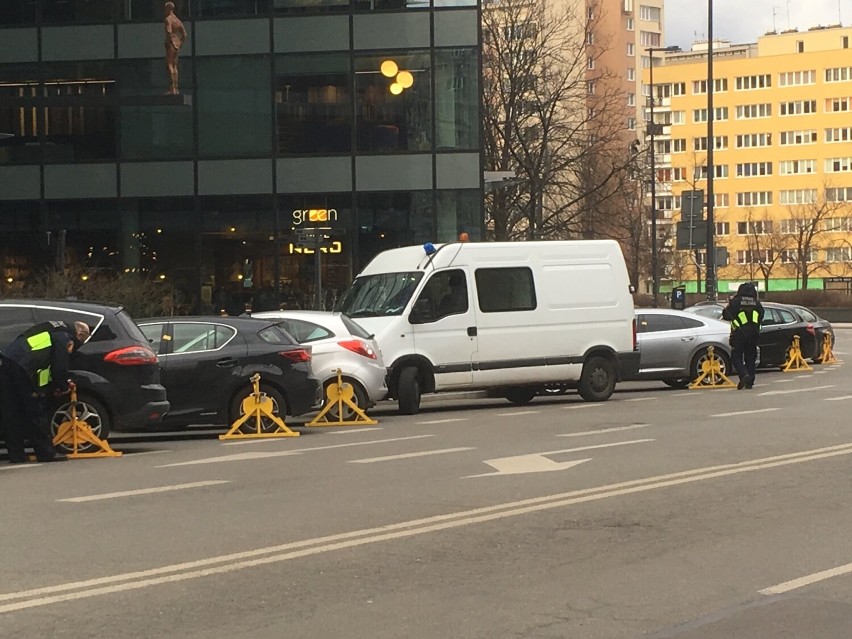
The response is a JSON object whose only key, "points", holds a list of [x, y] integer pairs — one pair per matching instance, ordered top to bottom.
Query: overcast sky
{"points": [[744, 20]]}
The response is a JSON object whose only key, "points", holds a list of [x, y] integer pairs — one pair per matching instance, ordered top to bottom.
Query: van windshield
{"points": [[378, 295]]}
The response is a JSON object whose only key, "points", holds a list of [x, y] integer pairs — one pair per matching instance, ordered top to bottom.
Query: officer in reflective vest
{"points": [[745, 312], [32, 365]]}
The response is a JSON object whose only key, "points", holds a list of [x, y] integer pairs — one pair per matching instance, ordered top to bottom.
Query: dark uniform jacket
{"points": [[745, 312], [42, 353]]}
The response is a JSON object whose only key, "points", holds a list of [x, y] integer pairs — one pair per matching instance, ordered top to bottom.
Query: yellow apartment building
{"points": [[782, 158]]}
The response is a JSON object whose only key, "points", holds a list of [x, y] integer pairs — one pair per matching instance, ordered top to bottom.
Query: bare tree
{"points": [[544, 118], [807, 225], [767, 245]]}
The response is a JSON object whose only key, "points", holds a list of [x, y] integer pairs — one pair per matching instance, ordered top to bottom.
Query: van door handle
{"points": [[471, 331], [686, 339], [227, 362]]}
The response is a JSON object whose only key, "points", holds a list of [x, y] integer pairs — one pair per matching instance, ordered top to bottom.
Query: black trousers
{"points": [[744, 353], [23, 411]]}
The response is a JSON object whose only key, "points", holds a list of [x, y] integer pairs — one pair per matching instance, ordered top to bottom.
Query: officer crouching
{"points": [[32, 365]]}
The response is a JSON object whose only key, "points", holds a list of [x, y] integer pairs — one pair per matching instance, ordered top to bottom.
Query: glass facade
{"points": [[358, 117]]}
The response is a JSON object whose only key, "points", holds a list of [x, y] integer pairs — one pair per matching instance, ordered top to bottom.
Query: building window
{"points": [[218, 8], [79, 11], [17, 13], [649, 14], [631, 25], [590, 38], [649, 39], [800, 46], [631, 49], [591, 64], [838, 74], [631, 75], [796, 78], [751, 82], [720, 85], [679, 88], [456, 99], [837, 105], [798, 107], [748, 111], [720, 114], [678, 117], [386, 121], [631, 124], [843, 134], [794, 138], [750, 140], [720, 142], [679, 145], [838, 165], [795, 167], [754, 169], [720, 171], [839, 194], [797, 196], [754, 198], [722, 201], [837, 225], [757, 227], [723, 228], [838, 254], [505, 290]]}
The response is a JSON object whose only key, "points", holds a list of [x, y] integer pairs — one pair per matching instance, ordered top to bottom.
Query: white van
{"points": [[509, 317]]}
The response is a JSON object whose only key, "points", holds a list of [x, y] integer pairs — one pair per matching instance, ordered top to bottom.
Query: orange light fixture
{"points": [[389, 68], [405, 79], [396, 88]]}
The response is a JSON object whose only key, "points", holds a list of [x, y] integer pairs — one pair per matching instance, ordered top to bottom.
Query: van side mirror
{"points": [[632, 289]]}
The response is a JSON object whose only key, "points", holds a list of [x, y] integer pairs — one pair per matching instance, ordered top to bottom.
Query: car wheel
{"points": [[703, 356], [597, 381], [678, 382], [408, 392], [520, 395], [359, 399], [279, 408], [90, 411]]}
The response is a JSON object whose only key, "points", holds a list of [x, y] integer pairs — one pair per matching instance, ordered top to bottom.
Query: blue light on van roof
{"points": [[429, 248]]}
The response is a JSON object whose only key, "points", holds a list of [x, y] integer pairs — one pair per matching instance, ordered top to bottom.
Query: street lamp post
{"points": [[652, 129], [710, 283]]}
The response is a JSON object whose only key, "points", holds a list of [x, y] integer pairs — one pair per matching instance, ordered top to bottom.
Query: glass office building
{"points": [[358, 116]]}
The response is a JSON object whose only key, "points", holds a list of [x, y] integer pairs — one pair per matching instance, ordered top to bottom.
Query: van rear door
{"points": [[444, 327]]}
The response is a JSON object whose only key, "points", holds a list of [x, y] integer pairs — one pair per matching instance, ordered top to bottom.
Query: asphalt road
{"points": [[712, 514]]}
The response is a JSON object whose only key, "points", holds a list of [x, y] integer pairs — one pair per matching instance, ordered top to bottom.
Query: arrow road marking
{"points": [[539, 463]]}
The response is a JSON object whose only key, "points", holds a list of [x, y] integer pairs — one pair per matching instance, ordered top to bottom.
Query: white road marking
{"points": [[822, 372], [785, 381], [796, 390], [684, 395], [640, 399], [837, 399], [578, 406], [518, 412], [746, 412], [445, 421], [603, 430], [347, 431], [130, 453], [284, 453], [423, 453], [540, 463], [18, 466], [145, 491], [223, 564], [801, 582]]}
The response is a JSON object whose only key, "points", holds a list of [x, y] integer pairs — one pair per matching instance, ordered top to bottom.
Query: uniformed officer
{"points": [[745, 312], [33, 364]]}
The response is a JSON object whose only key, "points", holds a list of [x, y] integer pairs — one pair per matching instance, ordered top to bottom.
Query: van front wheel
{"points": [[597, 381], [409, 391]]}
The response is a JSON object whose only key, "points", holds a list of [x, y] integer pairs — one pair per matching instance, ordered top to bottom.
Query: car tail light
{"points": [[810, 329], [635, 341], [357, 346], [297, 355], [131, 356]]}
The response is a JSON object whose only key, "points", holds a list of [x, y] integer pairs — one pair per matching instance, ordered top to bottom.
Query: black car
{"points": [[780, 323], [206, 363], [118, 380]]}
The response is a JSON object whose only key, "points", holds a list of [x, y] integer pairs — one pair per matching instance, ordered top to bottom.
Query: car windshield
{"points": [[377, 295]]}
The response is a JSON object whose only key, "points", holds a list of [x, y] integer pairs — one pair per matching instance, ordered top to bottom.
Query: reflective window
{"points": [[383, 5], [312, 6], [213, 8], [151, 10], [78, 11], [17, 12], [456, 99], [313, 102], [234, 106], [393, 107], [18, 119], [79, 121], [154, 131], [459, 212], [393, 219], [23, 249], [503, 290], [444, 294], [807, 315], [14, 320], [656, 323], [303, 331], [152, 333], [192, 338]]}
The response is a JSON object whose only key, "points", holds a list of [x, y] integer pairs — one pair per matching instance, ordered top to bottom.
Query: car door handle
{"points": [[471, 331], [686, 339], [227, 362]]}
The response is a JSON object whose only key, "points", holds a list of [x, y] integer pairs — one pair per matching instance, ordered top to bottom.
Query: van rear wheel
{"points": [[597, 381], [408, 392], [520, 395]]}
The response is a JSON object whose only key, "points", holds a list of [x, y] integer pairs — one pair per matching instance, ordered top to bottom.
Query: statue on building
{"points": [[175, 37]]}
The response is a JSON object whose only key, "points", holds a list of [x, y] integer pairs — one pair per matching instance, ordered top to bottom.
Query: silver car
{"points": [[338, 342], [673, 345]]}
